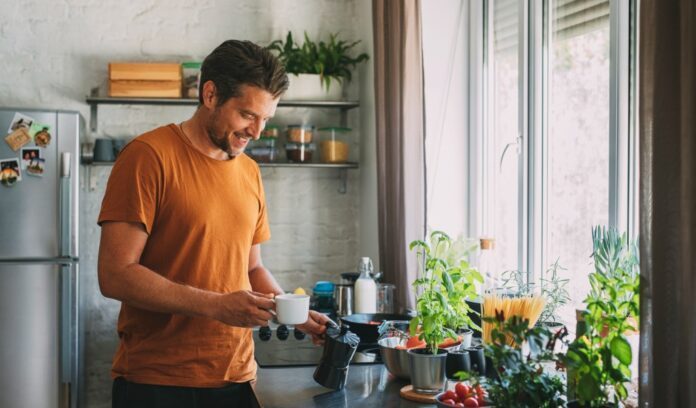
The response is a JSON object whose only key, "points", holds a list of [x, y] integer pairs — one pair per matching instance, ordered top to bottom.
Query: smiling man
{"points": [[182, 219]]}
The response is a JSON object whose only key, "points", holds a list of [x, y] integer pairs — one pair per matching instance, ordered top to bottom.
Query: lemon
{"points": [[299, 291]]}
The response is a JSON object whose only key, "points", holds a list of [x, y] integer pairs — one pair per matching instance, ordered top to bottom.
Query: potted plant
{"points": [[316, 68], [444, 282], [599, 359], [518, 379]]}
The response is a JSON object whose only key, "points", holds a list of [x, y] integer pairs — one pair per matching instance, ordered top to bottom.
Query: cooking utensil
{"points": [[343, 299], [369, 333], [339, 347], [395, 359]]}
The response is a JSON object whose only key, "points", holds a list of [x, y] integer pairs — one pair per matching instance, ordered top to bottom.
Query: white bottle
{"points": [[365, 288]]}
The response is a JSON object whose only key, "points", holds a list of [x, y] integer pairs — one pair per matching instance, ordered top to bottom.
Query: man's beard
{"points": [[221, 142]]}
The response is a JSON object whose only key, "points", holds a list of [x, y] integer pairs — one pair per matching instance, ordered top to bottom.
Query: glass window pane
{"points": [[502, 158], [577, 166]]}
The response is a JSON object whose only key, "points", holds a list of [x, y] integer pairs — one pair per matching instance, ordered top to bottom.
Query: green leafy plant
{"points": [[332, 60], [445, 281], [599, 359], [519, 380]]}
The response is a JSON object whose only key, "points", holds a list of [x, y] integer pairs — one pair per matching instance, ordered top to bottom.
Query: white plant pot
{"points": [[308, 87]]}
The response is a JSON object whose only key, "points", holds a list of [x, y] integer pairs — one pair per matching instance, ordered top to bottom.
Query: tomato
{"points": [[414, 342], [479, 390], [462, 391], [450, 395], [448, 402], [471, 402], [459, 405]]}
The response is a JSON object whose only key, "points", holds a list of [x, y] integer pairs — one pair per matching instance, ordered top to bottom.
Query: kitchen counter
{"points": [[367, 386]]}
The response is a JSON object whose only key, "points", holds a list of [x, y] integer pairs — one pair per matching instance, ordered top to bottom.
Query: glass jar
{"points": [[192, 74], [270, 131], [300, 133], [334, 144], [263, 150], [299, 152]]}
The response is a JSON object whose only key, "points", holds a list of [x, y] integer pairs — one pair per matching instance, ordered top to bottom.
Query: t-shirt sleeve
{"points": [[134, 187], [263, 231]]}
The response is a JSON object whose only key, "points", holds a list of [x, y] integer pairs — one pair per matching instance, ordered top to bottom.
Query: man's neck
{"points": [[194, 130]]}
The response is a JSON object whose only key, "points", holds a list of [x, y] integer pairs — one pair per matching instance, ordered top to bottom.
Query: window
{"points": [[554, 146]]}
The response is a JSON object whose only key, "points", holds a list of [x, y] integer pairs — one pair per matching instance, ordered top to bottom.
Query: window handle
{"points": [[517, 143]]}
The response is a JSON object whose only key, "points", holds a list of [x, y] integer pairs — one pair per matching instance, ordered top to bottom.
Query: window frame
{"points": [[533, 124]]}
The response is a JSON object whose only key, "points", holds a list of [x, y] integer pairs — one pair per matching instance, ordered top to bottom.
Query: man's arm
{"points": [[122, 277]]}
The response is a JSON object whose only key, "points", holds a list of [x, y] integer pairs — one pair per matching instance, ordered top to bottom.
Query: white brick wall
{"points": [[52, 53]]}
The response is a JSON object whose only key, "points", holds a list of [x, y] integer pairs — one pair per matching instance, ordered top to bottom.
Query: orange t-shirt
{"points": [[202, 216]]}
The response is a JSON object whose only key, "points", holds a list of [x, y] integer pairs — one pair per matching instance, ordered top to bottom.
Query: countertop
{"points": [[367, 386]]}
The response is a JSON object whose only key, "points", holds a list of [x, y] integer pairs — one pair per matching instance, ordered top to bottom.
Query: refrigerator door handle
{"points": [[65, 205], [68, 330]]}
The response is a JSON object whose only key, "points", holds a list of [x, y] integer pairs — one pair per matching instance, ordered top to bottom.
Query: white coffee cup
{"points": [[292, 309]]}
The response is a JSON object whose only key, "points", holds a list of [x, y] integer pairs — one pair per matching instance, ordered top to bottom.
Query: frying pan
{"points": [[359, 324]]}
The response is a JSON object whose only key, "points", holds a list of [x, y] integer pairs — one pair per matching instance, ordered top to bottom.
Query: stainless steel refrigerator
{"points": [[39, 258]]}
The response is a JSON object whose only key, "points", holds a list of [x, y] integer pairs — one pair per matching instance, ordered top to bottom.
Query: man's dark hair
{"points": [[235, 63]]}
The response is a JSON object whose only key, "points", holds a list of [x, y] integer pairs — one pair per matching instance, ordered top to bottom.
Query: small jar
{"points": [[191, 72], [270, 131], [300, 133], [334, 144], [263, 150], [299, 152]]}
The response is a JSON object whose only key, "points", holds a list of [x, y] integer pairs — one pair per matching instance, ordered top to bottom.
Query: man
{"points": [[182, 219]]}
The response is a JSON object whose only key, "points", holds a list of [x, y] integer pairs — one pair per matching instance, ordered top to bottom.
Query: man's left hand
{"points": [[314, 326]]}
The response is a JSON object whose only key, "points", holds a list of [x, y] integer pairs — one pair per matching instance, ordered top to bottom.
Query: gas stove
{"points": [[286, 346]]}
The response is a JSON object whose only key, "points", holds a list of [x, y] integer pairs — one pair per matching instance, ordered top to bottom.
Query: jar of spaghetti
{"points": [[334, 144]]}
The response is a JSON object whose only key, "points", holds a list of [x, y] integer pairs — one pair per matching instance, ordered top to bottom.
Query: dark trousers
{"points": [[127, 394]]}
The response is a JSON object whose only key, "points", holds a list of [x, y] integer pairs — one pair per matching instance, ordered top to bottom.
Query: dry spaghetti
{"points": [[529, 307]]}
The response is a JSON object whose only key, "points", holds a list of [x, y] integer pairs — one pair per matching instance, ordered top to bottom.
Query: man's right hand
{"points": [[245, 308]]}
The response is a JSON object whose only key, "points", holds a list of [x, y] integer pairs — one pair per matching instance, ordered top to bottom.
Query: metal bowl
{"points": [[396, 360]]}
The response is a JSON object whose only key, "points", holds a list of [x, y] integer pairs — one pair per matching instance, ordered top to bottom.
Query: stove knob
{"points": [[282, 332], [265, 333], [299, 335]]}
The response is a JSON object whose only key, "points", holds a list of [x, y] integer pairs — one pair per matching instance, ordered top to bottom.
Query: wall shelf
{"points": [[95, 100]]}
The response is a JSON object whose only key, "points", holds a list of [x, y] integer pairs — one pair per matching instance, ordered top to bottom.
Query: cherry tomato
{"points": [[479, 390], [462, 391], [449, 394], [449, 402], [471, 402], [459, 405]]}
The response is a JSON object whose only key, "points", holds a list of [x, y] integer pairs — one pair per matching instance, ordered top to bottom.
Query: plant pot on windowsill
{"points": [[427, 370]]}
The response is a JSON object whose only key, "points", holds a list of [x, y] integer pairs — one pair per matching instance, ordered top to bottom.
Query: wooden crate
{"points": [[154, 80], [145, 89]]}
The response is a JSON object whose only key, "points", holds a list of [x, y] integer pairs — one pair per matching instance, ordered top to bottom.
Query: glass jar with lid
{"points": [[191, 72], [271, 131], [300, 133], [334, 144], [263, 150], [300, 152]]}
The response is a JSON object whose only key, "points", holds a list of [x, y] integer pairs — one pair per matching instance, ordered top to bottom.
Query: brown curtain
{"points": [[667, 99], [400, 139]]}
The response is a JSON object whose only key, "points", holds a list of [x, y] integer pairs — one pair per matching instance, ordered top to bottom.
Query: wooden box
{"points": [[153, 80]]}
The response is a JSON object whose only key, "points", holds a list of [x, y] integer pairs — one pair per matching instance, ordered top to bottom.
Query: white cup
{"points": [[292, 309]]}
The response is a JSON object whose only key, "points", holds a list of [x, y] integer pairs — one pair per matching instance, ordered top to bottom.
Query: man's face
{"points": [[231, 125]]}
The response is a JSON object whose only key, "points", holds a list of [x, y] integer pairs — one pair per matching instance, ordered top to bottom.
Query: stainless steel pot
{"points": [[343, 299], [395, 359], [427, 370]]}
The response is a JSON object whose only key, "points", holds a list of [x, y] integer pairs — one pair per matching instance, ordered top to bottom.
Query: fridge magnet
{"points": [[20, 121], [41, 134], [18, 138], [28, 154], [36, 167], [10, 172]]}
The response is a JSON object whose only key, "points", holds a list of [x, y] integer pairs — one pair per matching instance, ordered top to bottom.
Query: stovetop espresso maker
{"points": [[339, 346]]}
